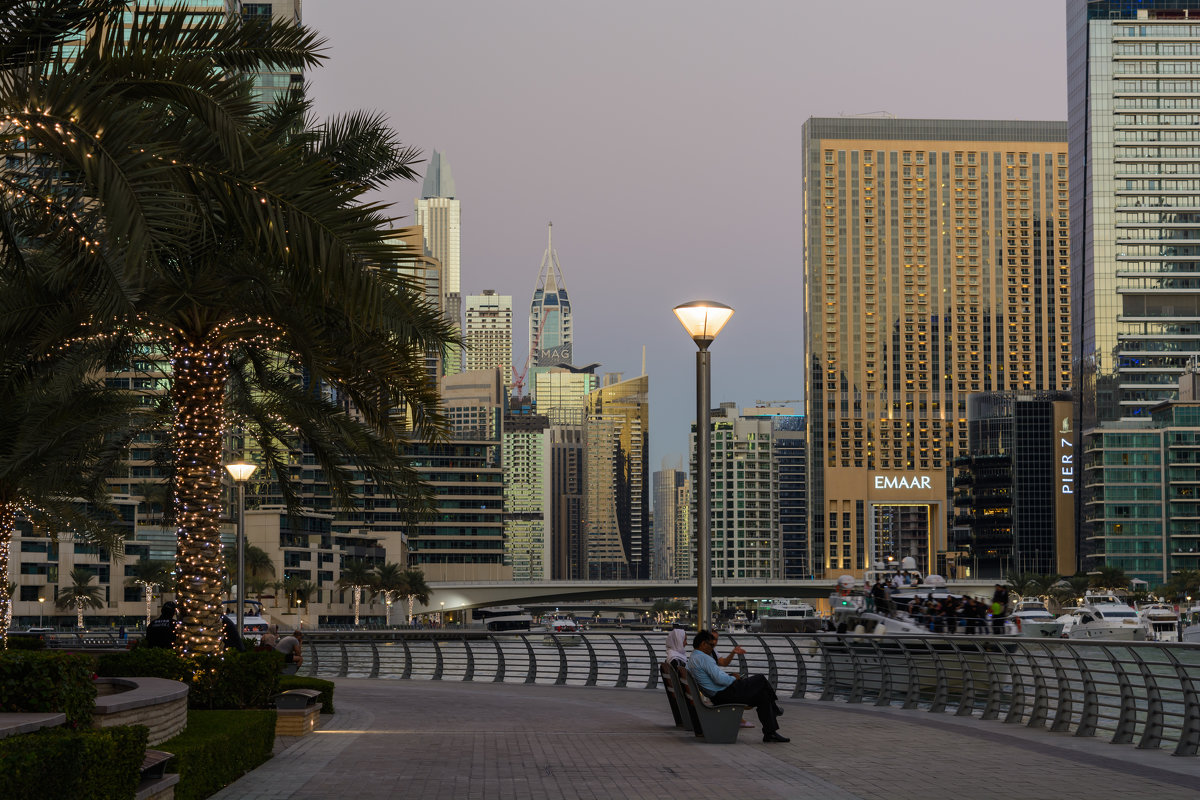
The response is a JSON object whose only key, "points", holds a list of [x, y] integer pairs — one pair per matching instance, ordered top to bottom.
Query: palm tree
{"points": [[237, 245], [258, 563], [149, 574], [357, 575], [1109, 577], [389, 582], [1024, 583], [1184, 583], [415, 588], [79, 595]]}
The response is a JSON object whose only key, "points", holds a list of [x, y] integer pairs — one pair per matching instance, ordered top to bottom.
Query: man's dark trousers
{"points": [[753, 690]]}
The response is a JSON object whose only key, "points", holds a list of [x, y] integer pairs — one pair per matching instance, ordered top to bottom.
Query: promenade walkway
{"points": [[461, 741]]}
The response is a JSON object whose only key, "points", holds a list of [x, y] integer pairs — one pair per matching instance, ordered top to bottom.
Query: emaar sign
{"points": [[903, 482]]}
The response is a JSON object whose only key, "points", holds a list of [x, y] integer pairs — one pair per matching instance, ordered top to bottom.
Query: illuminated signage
{"points": [[1066, 456], [903, 482]]}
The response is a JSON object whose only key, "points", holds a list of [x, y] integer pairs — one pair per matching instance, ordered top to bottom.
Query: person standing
{"points": [[161, 632], [231, 638], [751, 690]]}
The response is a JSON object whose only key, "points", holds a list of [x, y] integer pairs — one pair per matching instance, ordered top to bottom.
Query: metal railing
{"points": [[1142, 693]]}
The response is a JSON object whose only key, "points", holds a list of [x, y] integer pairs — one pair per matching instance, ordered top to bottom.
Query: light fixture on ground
{"points": [[703, 320], [241, 472]]}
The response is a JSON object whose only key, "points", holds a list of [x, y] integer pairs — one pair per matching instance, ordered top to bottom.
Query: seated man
{"points": [[293, 652], [751, 690]]}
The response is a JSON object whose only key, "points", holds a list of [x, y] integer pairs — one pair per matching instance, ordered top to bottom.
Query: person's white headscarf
{"points": [[676, 644]]}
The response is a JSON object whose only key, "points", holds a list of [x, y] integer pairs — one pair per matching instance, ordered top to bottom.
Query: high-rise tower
{"points": [[1133, 92], [439, 215], [935, 267], [488, 337], [550, 339]]}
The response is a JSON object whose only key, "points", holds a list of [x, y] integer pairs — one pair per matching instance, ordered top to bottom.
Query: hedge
{"points": [[26, 641], [227, 681], [48, 682], [300, 682], [217, 748], [100, 763]]}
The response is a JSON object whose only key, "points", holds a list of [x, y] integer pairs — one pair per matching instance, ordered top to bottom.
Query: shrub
{"points": [[26, 641], [230, 680], [39, 681], [299, 682], [219, 747], [96, 763]]}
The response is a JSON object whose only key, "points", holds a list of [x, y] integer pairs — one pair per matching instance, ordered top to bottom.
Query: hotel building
{"points": [[936, 265]]}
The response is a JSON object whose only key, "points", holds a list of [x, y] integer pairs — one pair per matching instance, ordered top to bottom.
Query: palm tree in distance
{"points": [[236, 245], [149, 575], [356, 575], [1108, 577], [389, 582], [415, 588], [79, 595]]}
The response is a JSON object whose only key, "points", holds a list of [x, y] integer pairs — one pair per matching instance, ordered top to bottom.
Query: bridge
{"points": [[465, 595]]}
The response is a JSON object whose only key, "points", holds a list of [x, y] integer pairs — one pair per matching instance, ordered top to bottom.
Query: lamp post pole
{"points": [[703, 320], [241, 473], [41, 609]]}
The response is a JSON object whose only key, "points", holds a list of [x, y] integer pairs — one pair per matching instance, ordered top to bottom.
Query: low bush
{"points": [[26, 641], [230, 680], [41, 681], [299, 682], [217, 748], [92, 763]]}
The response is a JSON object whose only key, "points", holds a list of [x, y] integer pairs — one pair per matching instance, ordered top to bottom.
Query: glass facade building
{"points": [[1134, 119], [439, 214], [936, 266], [488, 336], [550, 337]]}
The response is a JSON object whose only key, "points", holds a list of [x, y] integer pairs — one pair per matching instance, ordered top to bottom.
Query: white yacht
{"points": [[788, 616], [1103, 616], [504, 618], [1033, 619], [1163, 621], [739, 624]]}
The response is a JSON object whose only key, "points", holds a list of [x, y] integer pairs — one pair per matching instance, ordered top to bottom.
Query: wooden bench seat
{"points": [[718, 724]]}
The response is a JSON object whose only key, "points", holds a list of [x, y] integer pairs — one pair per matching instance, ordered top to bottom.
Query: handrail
{"points": [[1143, 693]]}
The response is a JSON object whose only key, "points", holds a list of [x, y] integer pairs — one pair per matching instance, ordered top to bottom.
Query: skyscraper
{"points": [[270, 84], [1134, 91], [439, 215], [935, 266], [488, 336], [550, 339], [526, 460], [617, 502], [672, 541]]}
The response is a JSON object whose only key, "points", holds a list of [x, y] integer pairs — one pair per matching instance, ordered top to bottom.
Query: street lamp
{"points": [[703, 320], [241, 472], [42, 607], [442, 615]]}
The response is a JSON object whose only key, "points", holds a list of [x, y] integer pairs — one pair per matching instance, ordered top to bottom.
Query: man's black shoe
{"points": [[774, 736]]}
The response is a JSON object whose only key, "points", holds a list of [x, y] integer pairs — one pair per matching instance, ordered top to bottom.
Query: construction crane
{"points": [[518, 383]]}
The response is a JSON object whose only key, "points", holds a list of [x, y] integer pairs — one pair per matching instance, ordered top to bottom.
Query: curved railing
{"points": [[1142, 693]]}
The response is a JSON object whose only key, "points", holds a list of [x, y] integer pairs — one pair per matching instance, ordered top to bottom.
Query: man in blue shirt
{"points": [[750, 690]]}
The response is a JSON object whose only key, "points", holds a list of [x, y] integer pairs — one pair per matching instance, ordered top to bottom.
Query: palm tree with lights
{"points": [[235, 244], [149, 575], [356, 575], [390, 583], [415, 589], [80, 594]]}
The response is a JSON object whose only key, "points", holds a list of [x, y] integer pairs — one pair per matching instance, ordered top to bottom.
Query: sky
{"points": [[662, 139]]}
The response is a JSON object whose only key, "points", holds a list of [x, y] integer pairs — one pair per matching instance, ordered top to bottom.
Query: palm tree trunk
{"points": [[198, 392], [8, 523], [146, 587], [357, 595], [79, 613]]}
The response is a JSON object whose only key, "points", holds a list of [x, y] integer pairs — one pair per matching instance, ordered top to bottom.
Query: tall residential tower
{"points": [[439, 215], [935, 266], [550, 336]]}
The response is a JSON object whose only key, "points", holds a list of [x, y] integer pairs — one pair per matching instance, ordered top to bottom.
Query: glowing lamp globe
{"points": [[703, 320]]}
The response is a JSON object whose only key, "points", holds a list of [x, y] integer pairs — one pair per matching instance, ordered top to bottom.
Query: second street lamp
{"points": [[703, 320], [241, 472]]}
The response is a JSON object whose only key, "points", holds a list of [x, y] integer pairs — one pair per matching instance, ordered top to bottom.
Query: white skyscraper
{"points": [[439, 215], [488, 336], [550, 339]]}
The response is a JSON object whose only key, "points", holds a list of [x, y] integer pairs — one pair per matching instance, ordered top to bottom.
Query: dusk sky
{"points": [[663, 141]]}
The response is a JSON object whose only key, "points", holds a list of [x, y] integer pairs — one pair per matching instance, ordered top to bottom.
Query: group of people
{"points": [[948, 614], [161, 633], [705, 665]]}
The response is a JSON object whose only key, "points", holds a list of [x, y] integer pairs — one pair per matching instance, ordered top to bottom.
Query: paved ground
{"points": [[460, 741]]}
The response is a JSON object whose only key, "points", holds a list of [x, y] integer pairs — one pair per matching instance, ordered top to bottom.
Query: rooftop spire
{"points": [[439, 182]]}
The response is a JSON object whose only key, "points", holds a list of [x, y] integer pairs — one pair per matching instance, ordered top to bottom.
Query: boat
{"points": [[788, 616], [1103, 616], [504, 618], [1034, 620], [1163, 621], [739, 624], [254, 625], [1189, 625], [563, 629]]}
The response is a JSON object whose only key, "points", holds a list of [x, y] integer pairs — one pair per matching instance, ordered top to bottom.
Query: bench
{"points": [[670, 683], [296, 712], [717, 724], [156, 784]]}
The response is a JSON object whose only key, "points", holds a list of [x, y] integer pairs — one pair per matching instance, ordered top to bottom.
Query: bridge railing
{"points": [[1141, 693]]}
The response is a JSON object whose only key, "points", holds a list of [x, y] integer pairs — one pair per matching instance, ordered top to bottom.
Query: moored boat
{"points": [[788, 616], [1103, 616], [1162, 620]]}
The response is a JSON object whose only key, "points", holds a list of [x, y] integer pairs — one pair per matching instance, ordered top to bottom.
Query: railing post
{"points": [[437, 649], [374, 658], [408, 659], [499, 660], [562, 661], [593, 663], [772, 667], [345, 669], [470, 673], [531, 674], [623, 675], [653, 680], [828, 685], [801, 687], [941, 691], [912, 692], [1066, 696], [1016, 700], [991, 710], [1089, 717], [1127, 717], [1189, 729], [1152, 731]]}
